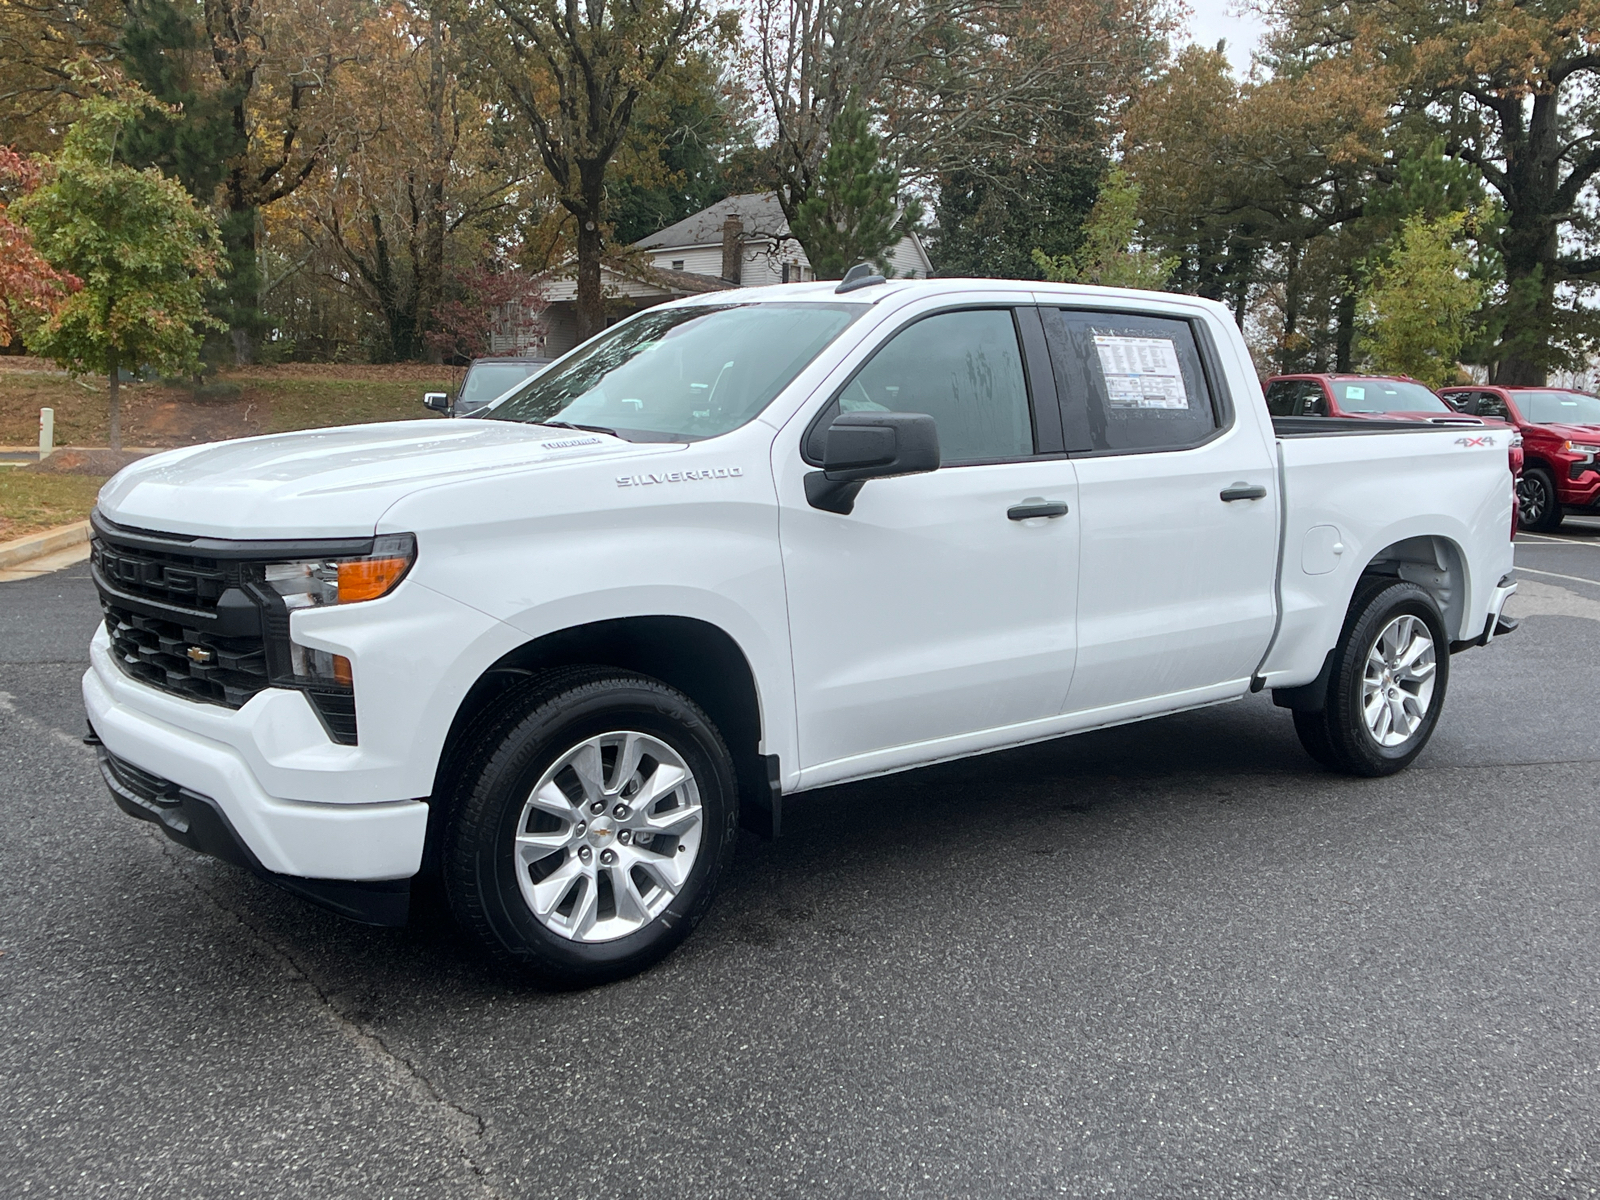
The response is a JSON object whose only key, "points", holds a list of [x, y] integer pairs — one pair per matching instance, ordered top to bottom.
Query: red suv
{"points": [[1374, 397], [1560, 446]]}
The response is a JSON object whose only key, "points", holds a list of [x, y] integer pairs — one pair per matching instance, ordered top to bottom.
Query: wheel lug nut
{"points": [[598, 807], [620, 810], [583, 828], [624, 838], [585, 854], [608, 857]]}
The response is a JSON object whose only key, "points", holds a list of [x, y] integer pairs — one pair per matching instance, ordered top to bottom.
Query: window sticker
{"points": [[1141, 372], [1352, 392]]}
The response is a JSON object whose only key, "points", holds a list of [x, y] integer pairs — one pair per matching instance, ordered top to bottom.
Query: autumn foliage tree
{"points": [[576, 74], [146, 254], [30, 288]]}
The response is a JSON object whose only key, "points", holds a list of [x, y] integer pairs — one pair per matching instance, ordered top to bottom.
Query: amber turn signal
{"points": [[369, 578], [341, 671]]}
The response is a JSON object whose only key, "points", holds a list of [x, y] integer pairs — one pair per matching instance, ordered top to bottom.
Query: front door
{"points": [[1178, 514], [935, 608]]}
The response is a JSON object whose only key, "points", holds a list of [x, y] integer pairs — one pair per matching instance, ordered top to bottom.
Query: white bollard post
{"points": [[47, 433]]}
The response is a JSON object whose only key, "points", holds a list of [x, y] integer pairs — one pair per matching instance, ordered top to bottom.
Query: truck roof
{"points": [[826, 291]]}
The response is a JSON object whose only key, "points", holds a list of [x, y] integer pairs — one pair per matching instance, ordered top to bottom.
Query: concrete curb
{"points": [[36, 545]]}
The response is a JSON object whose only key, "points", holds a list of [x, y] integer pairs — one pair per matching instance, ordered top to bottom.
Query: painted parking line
{"points": [[1545, 539], [1521, 570]]}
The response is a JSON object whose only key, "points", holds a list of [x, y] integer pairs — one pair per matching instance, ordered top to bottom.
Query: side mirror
{"points": [[437, 401], [870, 445]]}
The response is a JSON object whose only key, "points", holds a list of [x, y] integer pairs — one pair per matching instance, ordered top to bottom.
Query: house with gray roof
{"points": [[741, 241]]}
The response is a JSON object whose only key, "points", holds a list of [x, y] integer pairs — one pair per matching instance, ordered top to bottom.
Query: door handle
{"points": [[1242, 491], [1031, 507]]}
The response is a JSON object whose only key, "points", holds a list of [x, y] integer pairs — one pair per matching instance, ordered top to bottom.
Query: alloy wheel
{"points": [[1533, 499], [1397, 684], [608, 836]]}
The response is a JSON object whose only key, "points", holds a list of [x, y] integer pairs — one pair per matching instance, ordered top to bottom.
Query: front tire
{"points": [[1538, 508], [1387, 686], [591, 829]]}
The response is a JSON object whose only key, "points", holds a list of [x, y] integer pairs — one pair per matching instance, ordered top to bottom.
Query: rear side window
{"points": [[963, 369], [1130, 382]]}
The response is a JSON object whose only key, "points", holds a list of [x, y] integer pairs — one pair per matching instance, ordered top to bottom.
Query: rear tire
{"points": [[1538, 508], [1387, 685], [591, 828]]}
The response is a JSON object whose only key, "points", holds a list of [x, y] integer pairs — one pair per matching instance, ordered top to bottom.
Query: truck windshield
{"points": [[680, 374], [1386, 395], [1558, 408]]}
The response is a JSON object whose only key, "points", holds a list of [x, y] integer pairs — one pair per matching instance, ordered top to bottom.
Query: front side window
{"points": [[963, 369], [680, 374], [1130, 382], [1386, 395], [1490, 405], [1559, 408]]}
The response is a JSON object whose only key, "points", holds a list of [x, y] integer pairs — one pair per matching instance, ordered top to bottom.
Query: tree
{"points": [[576, 74], [256, 83], [954, 85], [1514, 88], [683, 154], [1253, 186], [420, 200], [853, 213], [991, 215], [145, 253], [1107, 256], [30, 288], [1418, 304]]}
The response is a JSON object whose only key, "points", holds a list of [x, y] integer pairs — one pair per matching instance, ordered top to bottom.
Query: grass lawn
{"points": [[257, 400], [251, 401], [30, 502]]}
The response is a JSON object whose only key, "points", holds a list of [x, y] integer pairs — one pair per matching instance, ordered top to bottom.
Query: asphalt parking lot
{"points": [[1173, 959]]}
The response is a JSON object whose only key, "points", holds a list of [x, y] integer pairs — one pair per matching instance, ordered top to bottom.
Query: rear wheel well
{"points": [[1434, 564], [693, 656]]}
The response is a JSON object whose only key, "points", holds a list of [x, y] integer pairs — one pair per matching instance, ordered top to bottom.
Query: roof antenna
{"points": [[859, 276]]}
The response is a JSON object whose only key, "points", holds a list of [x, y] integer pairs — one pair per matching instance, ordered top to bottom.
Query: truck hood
{"points": [[1589, 435], [334, 482]]}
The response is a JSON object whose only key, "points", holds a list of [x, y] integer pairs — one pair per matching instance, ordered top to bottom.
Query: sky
{"points": [[1213, 20]]}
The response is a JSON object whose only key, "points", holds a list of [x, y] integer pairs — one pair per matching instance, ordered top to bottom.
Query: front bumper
{"points": [[197, 822], [293, 838]]}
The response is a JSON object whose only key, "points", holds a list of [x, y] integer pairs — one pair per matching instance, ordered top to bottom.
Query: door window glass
{"points": [[963, 369], [1130, 382], [1282, 397], [1313, 401], [1490, 405]]}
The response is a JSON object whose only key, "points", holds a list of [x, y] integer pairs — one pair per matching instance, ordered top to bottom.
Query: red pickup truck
{"points": [[1375, 397], [1560, 431]]}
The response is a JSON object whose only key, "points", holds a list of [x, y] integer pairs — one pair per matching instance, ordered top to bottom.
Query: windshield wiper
{"points": [[585, 428]]}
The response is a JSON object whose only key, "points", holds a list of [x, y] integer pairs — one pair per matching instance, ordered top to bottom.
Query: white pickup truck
{"points": [[746, 545]]}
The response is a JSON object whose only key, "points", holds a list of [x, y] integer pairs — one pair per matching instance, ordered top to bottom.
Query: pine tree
{"points": [[853, 215]]}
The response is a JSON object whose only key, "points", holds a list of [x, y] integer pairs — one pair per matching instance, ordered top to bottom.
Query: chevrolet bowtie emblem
{"points": [[199, 654]]}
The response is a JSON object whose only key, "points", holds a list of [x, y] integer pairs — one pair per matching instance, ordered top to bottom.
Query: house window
{"points": [[677, 264], [786, 272]]}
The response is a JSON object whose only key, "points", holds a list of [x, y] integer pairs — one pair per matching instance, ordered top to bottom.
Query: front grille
{"points": [[185, 580], [194, 618], [190, 662]]}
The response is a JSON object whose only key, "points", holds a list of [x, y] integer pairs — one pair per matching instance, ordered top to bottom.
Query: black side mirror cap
{"points": [[437, 401], [870, 445]]}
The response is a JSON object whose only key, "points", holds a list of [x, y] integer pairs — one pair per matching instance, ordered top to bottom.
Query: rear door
{"points": [[1178, 512]]}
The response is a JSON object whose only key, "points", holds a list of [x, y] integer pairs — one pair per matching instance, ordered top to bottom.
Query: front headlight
{"points": [[312, 583]]}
